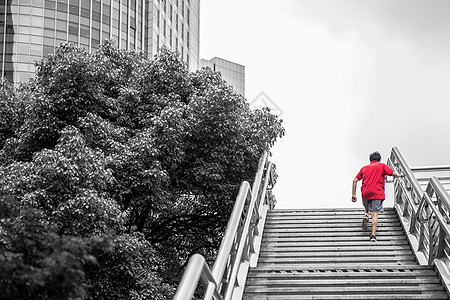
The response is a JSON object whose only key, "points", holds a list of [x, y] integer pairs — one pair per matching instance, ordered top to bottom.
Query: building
{"points": [[31, 29], [232, 73]]}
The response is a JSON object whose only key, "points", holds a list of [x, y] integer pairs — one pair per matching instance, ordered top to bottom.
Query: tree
{"points": [[116, 166]]}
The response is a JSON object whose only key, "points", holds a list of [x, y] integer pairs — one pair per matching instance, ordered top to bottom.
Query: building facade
{"points": [[31, 29], [232, 73]]}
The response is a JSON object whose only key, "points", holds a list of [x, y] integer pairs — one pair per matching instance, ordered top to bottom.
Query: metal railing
{"points": [[425, 215], [240, 245]]}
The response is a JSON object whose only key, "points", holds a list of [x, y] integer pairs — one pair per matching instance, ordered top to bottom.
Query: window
{"points": [[50, 5], [62, 5], [96, 7], [85, 9], [25, 10], [73, 10], [37, 11], [85, 13], [106, 14], [96, 15], [157, 17], [116, 18], [84, 21], [124, 22], [49, 23], [61, 25], [73, 28], [164, 29], [84, 30], [50, 33], [105, 33], [132, 38], [95, 39], [187, 39], [48, 41], [48, 50]]}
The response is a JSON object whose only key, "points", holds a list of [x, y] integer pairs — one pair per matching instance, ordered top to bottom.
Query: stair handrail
{"points": [[398, 163], [435, 210], [428, 242], [226, 279]]}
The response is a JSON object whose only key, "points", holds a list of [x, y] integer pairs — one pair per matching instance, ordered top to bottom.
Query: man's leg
{"points": [[377, 208], [365, 220], [374, 222]]}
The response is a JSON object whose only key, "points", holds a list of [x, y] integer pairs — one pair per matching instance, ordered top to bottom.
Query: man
{"points": [[372, 190]]}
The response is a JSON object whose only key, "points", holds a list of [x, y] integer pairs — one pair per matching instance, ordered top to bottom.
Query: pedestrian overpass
{"points": [[268, 253]]}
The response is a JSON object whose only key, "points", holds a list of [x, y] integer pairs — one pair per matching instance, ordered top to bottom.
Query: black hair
{"points": [[375, 156]]}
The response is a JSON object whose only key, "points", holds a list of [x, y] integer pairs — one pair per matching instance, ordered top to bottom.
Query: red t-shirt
{"points": [[373, 180]]}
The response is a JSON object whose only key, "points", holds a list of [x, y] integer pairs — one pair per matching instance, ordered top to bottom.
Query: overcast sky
{"points": [[350, 76]]}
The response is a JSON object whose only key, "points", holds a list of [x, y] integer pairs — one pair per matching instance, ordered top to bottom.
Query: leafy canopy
{"points": [[114, 169]]}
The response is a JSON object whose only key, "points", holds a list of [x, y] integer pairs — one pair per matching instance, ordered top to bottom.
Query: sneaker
{"points": [[364, 222], [373, 238]]}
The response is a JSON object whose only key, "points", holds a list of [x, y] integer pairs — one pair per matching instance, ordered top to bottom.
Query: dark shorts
{"points": [[375, 205]]}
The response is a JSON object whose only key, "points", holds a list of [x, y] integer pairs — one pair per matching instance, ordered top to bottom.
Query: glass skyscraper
{"points": [[31, 29], [232, 73]]}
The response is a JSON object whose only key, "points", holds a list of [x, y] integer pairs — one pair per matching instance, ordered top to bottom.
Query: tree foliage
{"points": [[114, 169]]}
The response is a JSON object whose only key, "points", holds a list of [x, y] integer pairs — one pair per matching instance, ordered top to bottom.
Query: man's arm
{"points": [[395, 175], [355, 183]]}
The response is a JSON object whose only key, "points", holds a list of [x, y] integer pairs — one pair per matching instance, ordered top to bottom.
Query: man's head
{"points": [[375, 156]]}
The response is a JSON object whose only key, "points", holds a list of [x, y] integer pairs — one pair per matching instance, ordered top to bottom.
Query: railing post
{"points": [[259, 174], [412, 224], [430, 241], [441, 243]]}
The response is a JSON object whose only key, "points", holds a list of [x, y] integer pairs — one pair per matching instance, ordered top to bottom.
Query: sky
{"points": [[349, 76]]}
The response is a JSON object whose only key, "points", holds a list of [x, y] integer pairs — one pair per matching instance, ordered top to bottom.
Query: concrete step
{"points": [[387, 210], [271, 217], [327, 222], [337, 226], [319, 229], [330, 234], [360, 238], [364, 242], [315, 249], [351, 253], [336, 260], [350, 268], [319, 274], [340, 282], [316, 291], [363, 296]]}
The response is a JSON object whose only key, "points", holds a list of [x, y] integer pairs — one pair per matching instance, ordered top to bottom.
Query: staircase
{"points": [[324, 254]]}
